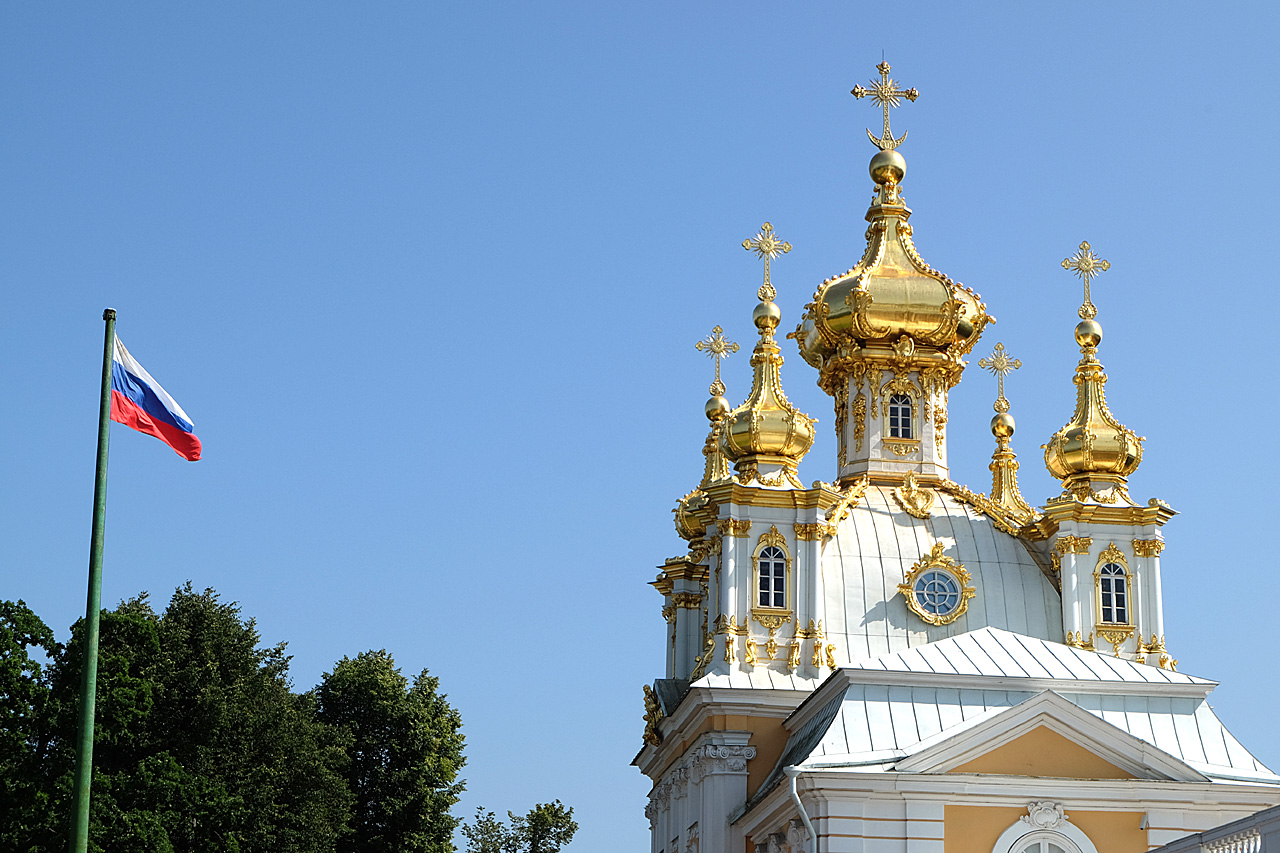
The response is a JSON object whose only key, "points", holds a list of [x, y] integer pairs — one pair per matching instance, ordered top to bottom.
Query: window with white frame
{"points": [[900, 416], [772, 563], [1113, 587]]}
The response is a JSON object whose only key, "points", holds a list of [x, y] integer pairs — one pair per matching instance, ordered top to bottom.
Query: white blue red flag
{"points": [[139, 402]]}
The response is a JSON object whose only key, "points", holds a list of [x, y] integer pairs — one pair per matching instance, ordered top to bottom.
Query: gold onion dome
{"points": [[890, 292], [767, 430], [766, 437], [1093, 448]]}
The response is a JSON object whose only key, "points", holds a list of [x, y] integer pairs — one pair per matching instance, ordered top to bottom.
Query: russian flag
{"points": [[138, 401]]}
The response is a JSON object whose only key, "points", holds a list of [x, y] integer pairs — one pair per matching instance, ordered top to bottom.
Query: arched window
{"points": [[900, 416], [1113, 587], [772, 589], [1044, 842]]}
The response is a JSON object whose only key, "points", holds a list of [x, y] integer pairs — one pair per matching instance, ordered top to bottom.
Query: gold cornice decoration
{"points": [[885, 92], [766, 430], [1093, 449], [852, 494], [914, 499], [1003, 519], [737, 528], [810, 531], [1073, 545], [1148, 547], [936, 559], [687, 600], [771, 621], [730, 626], [813, 632], [1156, 649], [793, 656], [831, 656], [702, 661], [652, 716]]}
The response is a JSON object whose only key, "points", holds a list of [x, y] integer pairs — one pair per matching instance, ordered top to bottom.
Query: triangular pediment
{"points": [[1048, 736]]}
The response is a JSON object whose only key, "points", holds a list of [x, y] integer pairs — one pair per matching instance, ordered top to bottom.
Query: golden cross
{"points": [[886, 93], [766, 246], [1086, 265], [717, 346], [1001, 365]]}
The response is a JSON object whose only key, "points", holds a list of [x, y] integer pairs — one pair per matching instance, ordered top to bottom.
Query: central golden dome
{"points": [[890, 292]]}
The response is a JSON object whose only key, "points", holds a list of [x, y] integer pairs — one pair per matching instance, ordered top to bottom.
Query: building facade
{"points": [[892, 661]]}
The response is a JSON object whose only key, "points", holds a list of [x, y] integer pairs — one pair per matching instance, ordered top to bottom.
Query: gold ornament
{"points": [[886, 93], [768, 247], [1087, 265], [716, 346], [1001, 365], [917, 501], [935, 559], [652, 715]]}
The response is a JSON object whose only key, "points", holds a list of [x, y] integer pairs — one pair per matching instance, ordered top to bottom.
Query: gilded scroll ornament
{"points": [[886, 93], [859, 420], [901, 447], [853, 493], [916, 500], [739, 528], [810, 532], [774, 538], [1073, 544], [1148, 547], [1111, 554], [937, 561], [687, 600], [813, 631], [1116, 636], [1077, 640], [728, 650], [830, 651], [817, 654], [793, 656], [751, 658], [703, 660], [652, 716]]}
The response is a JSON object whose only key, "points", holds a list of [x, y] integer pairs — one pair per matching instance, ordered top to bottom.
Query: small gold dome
{"points": [[766, 431], [1093, 446]]}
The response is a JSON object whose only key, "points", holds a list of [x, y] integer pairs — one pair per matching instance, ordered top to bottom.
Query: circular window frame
{"points": [[937, 561]]}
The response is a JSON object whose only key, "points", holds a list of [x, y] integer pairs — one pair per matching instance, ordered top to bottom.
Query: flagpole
{"points": [[88, 693]]}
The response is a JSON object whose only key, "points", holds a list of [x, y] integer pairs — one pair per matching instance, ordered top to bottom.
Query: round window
{"points": [[937, 592]]}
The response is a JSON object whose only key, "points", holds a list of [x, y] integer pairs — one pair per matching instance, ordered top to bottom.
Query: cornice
{"points": [[820, 496]]}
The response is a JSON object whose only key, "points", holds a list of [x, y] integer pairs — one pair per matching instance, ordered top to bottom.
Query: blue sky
{"points": [[427, 278]]}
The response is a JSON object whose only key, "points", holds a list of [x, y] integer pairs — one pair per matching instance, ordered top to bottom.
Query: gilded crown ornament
{"points": [[886, 93], [767, 246], [1087, 265], [716, 346], [1094, 454]]}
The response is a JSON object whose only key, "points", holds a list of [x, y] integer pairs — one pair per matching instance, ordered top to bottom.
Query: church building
{"points": [[892, 661]]}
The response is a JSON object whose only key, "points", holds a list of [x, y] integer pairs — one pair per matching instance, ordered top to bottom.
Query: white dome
{"points": [[877, 544]]}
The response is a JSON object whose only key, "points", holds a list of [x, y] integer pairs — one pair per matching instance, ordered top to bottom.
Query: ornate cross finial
{"points": [[886, 93], [766, 246], [1086, 265], [717, 346], [1001, 365]]}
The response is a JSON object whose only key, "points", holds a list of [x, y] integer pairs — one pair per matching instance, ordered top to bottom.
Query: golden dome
{"points": [[891, 291], [766, 436], [1093, 446]]}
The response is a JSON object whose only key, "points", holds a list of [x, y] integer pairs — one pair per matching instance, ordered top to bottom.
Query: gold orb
{"points": [[888, 167], [766, 316], [1088, 333], [717, 408], [1002, 425]]}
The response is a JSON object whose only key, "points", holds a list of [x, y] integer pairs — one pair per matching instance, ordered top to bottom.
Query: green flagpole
{"points": [[88, 694]]}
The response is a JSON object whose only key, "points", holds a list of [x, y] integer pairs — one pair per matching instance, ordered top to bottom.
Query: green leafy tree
{"points": [[24, 727], [199, 744], [406, 751], [545, 829]]}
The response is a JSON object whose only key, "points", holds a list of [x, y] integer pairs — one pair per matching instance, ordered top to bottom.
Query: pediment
{"points": [[1048, 736]]}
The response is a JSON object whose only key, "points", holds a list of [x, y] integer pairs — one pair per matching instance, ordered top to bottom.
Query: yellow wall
{"points": [[767, 735], [1043, 752], [974, 829]]}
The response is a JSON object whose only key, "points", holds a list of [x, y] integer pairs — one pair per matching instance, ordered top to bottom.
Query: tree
{"points": [[24, 729], [199, 744], [406, 751], [545, 829]]}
